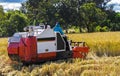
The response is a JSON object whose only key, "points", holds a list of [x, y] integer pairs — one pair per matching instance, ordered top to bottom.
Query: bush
{"points": [[98, 28], [101, 29], [104, 29]]}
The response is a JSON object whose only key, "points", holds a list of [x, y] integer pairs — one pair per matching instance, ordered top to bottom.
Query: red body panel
{"points": [[13, 48], [22, 49], [26, 49], [31, 49], [80, 52], [47, 56]]}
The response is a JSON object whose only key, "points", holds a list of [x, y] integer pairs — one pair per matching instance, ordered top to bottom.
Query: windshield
{"points": [[14, 39]]}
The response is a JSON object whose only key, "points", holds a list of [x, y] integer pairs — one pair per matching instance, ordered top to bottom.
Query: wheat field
{"points": [[101, 42], [102, 60]]}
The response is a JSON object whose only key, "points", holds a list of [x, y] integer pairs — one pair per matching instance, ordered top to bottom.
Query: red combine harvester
{"points": [[41, 44]]}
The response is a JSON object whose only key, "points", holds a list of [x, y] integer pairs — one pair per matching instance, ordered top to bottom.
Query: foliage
{"points": [[41, 11], [1, 12], [67, 12], [91, 16], [13, 21], [18, 22], [115, 24], [97, 29], [101, 29], [104, 29]]}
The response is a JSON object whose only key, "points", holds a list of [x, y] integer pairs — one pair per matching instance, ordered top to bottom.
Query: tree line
{"points": [[86, 15]]}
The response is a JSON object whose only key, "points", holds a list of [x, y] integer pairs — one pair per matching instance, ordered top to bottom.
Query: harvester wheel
{"points": [[14, 58]]}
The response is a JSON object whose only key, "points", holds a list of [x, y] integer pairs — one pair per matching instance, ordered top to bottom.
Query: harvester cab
{"points": [[40, 44]]}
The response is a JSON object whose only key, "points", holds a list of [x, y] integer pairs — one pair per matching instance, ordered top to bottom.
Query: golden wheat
{"points": [[101, 43], [3, 45]]}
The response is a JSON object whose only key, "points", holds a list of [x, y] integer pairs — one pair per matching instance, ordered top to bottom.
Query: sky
{"points": [[11, 4], [16, 4], [116, 4]]}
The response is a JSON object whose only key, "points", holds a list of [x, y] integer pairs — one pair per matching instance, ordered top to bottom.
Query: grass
{"points": [[101, 44]]}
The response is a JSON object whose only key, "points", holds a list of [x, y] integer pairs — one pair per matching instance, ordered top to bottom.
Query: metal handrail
{"points": [[83, 44]]}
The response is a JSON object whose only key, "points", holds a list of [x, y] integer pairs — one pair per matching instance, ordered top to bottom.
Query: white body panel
{"points": [[38, 30], [46, 33], [46, 46], [49, 46]]}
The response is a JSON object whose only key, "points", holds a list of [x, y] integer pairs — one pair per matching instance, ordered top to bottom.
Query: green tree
{"points": [[1, 12], [67, 12], [91, 16], [2, 18], [14, 21], [18, 22], [115, 22], [4, 28]]}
